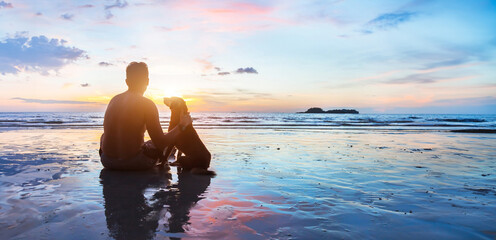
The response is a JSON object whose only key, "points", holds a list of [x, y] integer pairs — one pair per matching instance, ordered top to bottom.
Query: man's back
{"points": [[124, 125]]}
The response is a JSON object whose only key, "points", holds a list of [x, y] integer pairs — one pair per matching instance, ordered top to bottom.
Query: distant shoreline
{"points": [[332, 111]]}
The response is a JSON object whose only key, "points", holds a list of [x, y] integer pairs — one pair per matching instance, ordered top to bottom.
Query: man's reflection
{"points": [[136, 201]]}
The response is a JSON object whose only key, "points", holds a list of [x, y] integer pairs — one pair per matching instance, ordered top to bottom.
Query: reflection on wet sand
{"points": [[299, 184], [137, 204]]}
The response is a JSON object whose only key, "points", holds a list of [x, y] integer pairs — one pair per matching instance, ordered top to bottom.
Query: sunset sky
{"points": [[262, 56]]}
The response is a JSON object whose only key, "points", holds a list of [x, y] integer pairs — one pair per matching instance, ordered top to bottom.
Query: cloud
{"points": [[4, 4], [117, 4], [86, 6], [321, 11], [67, 16], [229, 16], [387, 21], [172, 29], [38, 54], [451, 62], [105, 64], [207, 65], [446, 67], [246, 70], [414, 78], [425, 78], [85, 84], [67, 85], [254, 94], [215, 100], [487, 100], [47, 101], [470, 105]]}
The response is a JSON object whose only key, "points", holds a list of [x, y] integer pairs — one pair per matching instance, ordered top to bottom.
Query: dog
{"points": [[197, 157]]}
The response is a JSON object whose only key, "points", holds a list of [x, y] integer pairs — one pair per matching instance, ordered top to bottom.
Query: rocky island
{"points": [[335, 111]]}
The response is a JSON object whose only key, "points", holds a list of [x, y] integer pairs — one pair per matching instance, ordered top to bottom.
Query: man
{"points": [[127, 117]]}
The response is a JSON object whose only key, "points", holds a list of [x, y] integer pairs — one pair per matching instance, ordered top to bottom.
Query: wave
{"points": [[8, 120], [372, 120], [475, 120], [47, 122]]}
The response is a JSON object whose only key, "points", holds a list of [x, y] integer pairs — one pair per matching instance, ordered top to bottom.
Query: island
{"points": [[335, 111]]}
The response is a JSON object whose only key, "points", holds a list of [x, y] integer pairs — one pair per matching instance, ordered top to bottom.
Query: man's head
{"points": [[137, 76]]}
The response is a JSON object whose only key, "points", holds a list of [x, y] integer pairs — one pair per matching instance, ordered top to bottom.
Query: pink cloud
{"points": [[240, 9], [229, 16], [206, 64]]}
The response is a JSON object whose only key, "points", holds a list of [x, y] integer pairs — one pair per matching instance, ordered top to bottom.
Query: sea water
{"points": [[10, 120]]}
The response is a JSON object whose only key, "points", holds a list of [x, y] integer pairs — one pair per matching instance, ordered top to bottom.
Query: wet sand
{"points": [[279, 184]]}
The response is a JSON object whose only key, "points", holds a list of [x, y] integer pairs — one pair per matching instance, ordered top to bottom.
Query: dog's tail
{"points": [[202, 171]]}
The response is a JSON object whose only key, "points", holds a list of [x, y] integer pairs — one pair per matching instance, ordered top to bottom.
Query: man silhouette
{"points": [[127, 117]]}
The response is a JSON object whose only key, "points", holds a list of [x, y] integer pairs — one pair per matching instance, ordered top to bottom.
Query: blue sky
{"points": [[283, 56]]}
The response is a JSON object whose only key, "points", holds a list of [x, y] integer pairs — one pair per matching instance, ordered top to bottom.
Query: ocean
{"points": [[446, 122]]}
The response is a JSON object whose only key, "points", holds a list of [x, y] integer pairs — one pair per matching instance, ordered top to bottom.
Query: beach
{"points": [[311, 120], [270, 184]]}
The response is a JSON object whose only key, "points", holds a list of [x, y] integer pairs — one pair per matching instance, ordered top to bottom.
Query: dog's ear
{"points": [[167, 101]]}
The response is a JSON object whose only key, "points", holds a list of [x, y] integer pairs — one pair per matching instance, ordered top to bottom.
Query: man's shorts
{"points": [[146, 158]]}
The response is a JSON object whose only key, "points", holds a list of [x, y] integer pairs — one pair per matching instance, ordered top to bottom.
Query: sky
{"points": [[388, 56]]}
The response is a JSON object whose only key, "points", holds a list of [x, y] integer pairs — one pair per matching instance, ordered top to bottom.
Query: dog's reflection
{"points": [[136, 202]]}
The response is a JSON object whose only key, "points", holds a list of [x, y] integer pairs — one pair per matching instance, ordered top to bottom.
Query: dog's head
{"points": [[175, 103], [178, 107]]}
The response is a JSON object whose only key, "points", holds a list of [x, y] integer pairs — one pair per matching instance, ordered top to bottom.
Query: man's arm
{"points": [[159, 139]]}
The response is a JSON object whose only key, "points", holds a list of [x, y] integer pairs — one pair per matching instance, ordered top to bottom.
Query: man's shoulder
{"points": [[117, 97], [147, 103]]}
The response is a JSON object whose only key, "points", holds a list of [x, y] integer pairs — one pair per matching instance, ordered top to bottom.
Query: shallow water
{"points": [[280, 184]]}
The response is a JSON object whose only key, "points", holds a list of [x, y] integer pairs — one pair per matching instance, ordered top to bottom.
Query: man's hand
{"points": [[185, 121]]}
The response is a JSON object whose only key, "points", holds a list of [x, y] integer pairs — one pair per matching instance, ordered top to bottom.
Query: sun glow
{"points": [[172, 93], [158, 95]]}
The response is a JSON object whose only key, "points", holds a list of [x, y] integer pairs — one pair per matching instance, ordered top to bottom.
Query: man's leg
{"points": [[149, 150]]}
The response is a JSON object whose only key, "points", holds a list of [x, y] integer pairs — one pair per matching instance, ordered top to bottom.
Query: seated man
{"points": [[127, 117]]}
